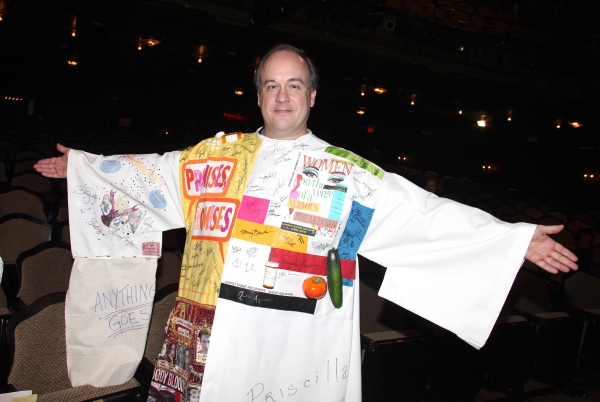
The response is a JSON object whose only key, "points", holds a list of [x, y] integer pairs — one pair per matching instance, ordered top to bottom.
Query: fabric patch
{"points": [[357, 160], [207, 177], [253, 209], [213, 219], [355, 231], [255, 232], [292, 241], [151, 248], [309, 263], [267, 300]]}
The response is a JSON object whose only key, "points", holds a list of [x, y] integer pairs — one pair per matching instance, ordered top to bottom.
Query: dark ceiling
{"points": [[443, 69]]}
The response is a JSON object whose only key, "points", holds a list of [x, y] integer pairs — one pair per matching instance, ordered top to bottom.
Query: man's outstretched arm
{"points": [[54, 167], [549, 254]]}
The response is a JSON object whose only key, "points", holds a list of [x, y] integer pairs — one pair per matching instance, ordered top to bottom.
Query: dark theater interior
{"points": [[496, 100]]}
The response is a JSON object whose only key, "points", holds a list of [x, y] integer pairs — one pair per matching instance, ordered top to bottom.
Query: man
{"points": [[282, 195]]}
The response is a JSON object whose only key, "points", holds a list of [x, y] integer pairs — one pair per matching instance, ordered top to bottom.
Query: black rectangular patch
{"points": [[267, 300]]}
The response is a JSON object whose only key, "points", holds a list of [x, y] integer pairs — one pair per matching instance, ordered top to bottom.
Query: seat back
{"points": [[35, 182], [24, 201], [20, 232], [169, 268], [42, 270], [582, 290], [529, 294], [164, 302], [36, 340], [37, 348]]}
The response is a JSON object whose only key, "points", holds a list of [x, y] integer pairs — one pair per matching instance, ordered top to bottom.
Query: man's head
{"points": [[286, 83]]}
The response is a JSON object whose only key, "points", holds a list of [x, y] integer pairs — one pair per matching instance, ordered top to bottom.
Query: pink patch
{"points": [[253, 209]]}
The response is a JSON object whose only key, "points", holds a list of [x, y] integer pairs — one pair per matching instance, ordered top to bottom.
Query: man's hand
{"points": [[54, 167], [547, 253]]}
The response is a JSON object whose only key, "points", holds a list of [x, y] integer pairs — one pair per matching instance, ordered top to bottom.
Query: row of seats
{"points": [[582, 223], [45, 270], [36, 334], [553, 341]]}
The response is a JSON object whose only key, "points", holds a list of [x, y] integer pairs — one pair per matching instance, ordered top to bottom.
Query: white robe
{"points": [[447, 262]]}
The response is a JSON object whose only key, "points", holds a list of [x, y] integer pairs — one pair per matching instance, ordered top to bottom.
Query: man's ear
{"points": [[313, 95], [258, 98]]}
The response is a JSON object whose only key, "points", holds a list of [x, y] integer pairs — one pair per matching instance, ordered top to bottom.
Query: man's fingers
{"points": [[62, 149], [551, 229]]}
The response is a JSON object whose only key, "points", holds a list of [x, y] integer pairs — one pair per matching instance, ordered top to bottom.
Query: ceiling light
{"points": [[73, 33], [149, 41], [72, 62], [379, 90], [239, 92], [360, 112], [460, 112], [481, 123], [575, 124]]}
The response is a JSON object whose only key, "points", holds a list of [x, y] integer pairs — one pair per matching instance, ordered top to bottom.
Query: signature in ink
{"points": [[302, 146], [278, 152], [283, 159], [358, 174], [268, 176], [252, 188], [273, 192], [90, 194], [272, 212], [357, 215], [148, 222], [255, 232], [289, 241], [319, 246], [235, 249], [250, 252], [246, 266], [281, 273]]}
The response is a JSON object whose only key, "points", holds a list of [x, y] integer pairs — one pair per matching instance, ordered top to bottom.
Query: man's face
{"points": [[284, 97], [430, 186], [205, 342]]}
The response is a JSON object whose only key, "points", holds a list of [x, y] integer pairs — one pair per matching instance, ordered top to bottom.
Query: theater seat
{"points": [[557, 334], [37, 346]]}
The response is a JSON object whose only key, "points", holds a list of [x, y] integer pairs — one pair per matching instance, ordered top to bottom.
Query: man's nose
{"points": [[282, 96]]}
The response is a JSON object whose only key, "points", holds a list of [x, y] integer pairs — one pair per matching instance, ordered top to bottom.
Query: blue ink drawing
{"points": [[110, 166], [157, 199]]}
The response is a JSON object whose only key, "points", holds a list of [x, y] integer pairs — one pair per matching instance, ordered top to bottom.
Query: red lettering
{"points": [[224, 175], [218, 176], [189, 177]]}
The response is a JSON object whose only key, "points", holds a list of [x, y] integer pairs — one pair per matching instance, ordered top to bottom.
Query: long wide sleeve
{"points": [[118, 208], [449, 263]]}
